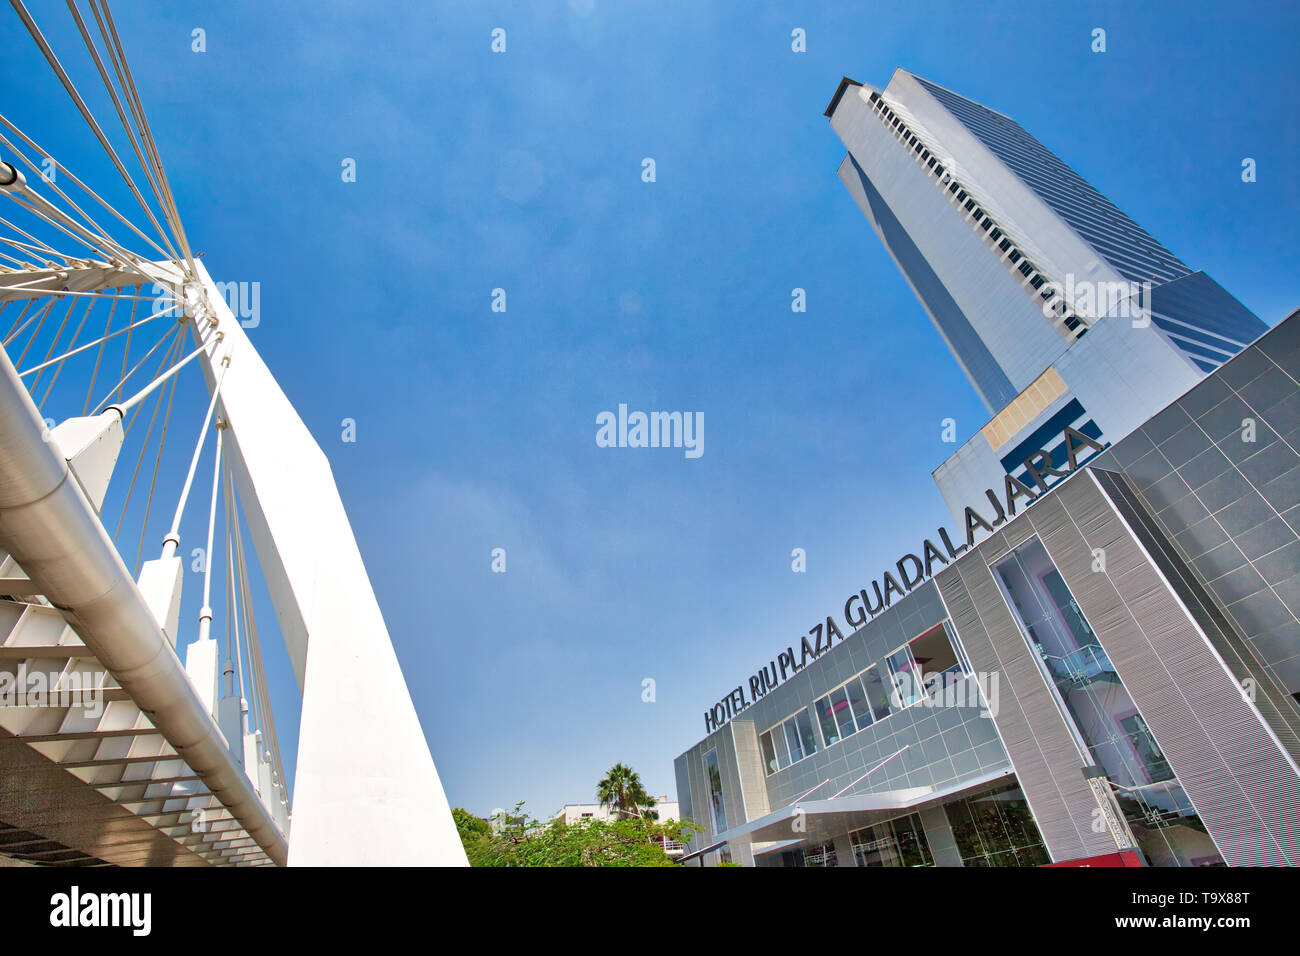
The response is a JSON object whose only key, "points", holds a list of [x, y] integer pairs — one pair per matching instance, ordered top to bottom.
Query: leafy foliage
{"points": [[622, 791], [521, 841]]}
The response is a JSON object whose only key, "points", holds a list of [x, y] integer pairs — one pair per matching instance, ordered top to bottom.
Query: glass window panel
{"points": [[906, 678], [877, 696], [858, 700], [843, 715], [826, 716], [806, 735], [792, 740], [769, 753], [715, 791], [996, 828], [874, 846], [913, 848]]}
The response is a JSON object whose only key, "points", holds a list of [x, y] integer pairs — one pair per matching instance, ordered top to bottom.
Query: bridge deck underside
{"points": [[85, 777]]}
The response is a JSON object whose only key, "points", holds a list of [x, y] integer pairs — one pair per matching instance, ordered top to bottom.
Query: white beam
{"points": [[367, 791]]}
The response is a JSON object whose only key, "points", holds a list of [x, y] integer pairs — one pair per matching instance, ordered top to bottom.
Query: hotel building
{"points": [[1103, 668]]}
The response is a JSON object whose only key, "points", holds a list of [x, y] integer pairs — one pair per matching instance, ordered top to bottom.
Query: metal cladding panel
{"points": [[1125, 245], [1271, 698], [1046, 759], [749, 766], [682, 773], [1239, 779], [732, 791], [699, 798]]}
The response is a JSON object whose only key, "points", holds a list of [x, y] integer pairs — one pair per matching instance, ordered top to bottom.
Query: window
{"points": [[937, 661], [906, 678], [877, 696], [854, 706], [1098, 709], [862, 711], [838, 712], [799, 736], [788, 742], [770, 762], [715, 792], [996, 829], [900, 842], [821, 855]]}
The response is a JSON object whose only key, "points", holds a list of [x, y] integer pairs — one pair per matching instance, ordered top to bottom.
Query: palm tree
{"points": [[622, 791]]}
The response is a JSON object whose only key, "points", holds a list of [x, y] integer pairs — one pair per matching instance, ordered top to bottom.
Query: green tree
{"points": [[622, 791], [469, 826], [634, 841]]}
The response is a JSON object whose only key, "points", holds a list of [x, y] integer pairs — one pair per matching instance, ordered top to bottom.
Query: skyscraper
{"points": [[1060, 309]]}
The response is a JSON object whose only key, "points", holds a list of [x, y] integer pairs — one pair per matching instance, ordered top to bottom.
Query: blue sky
{"points": [[476, 430]]}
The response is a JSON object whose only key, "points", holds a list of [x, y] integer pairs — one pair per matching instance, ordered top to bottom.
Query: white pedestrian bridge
{"points": [[147, 457]]}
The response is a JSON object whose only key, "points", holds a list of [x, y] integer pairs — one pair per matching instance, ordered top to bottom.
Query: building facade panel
{"points": [[1207, 731], [1037, 740]]}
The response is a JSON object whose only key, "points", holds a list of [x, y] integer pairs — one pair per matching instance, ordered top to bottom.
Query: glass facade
{"points": [[1127, 247], [906, 676], [866, 699], [1100, 713], [788, 742], [715, 791], [996, 828], [899, 842], [823, 854]]}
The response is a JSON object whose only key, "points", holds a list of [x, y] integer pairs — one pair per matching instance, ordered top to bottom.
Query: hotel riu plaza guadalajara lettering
{"points": [[912, 569]]}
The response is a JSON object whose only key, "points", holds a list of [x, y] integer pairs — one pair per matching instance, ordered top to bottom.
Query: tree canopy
{"points": [[621, 790], [522, 841]]}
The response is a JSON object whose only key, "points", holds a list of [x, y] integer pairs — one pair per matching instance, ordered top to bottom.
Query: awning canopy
{"points": [[814, 820]]}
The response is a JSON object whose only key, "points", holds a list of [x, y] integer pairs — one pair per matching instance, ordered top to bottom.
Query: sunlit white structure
{"points": [[113, 749]]}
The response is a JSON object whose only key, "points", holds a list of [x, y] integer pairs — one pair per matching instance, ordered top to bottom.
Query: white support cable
{"points": [[127, 80], [71, 89], [117, 103], [40, 172], [90, 192], [36, 210], [19, 246], [102, 246], [108, 247], [48, 248], [68, 292], [18, 325], [19, 331], [98, 341], [99, 357], [58, 362], [135, 368], [138, 397], [173, 537], [233, 602], [205, 612], [266, 719], [872, 770], [814, 789]]}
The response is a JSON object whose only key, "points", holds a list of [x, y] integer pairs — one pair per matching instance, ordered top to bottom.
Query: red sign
{"points": [[1127, 858]]}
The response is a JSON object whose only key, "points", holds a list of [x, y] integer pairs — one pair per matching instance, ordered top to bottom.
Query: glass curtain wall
{"points": [[1100, 711], [899, 842]]}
